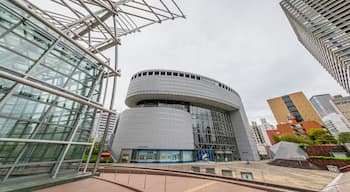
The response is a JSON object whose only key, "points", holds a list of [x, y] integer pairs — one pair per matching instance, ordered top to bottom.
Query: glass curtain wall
{"points": [[30, 117], [212, 129], [161, 156]]}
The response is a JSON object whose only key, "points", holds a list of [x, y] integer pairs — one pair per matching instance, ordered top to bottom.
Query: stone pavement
{"points": [[301, 178], [147, 183], [162, 183], [339, 184], [86, 185]]}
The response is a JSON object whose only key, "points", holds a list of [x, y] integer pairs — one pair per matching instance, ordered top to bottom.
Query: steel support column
{"points": [[102, 144]]}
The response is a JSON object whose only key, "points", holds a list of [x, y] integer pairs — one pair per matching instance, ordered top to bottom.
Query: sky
{"points": [[248, 45]]}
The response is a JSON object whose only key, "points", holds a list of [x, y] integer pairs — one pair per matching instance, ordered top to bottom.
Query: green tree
{"points": [[321, 136], [344, 137], [276, 138], [292, 138]]}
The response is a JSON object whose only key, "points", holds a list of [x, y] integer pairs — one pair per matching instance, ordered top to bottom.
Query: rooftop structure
{"points": [[98, 25]]}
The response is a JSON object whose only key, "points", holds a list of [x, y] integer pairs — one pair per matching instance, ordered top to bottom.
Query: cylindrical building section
{"points": [[215, 119], [153, 130]]}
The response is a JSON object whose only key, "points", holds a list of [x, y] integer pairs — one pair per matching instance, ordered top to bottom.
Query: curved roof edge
{"points": [[218, 83]]}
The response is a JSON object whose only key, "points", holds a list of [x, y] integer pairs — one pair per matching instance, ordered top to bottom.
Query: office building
{"points": [[323, 28], [51, 79], [323, 104], [295, 105], [343, 105], [176, 116], [332, 117], [336, 124], [101, 126], [264, 127], [293, 127], [257, 133], [261, 137]]}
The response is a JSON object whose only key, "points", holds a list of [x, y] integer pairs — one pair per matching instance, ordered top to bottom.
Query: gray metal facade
{"points": [[323, 27], [200, 96], [323, 104], [153, 128]]}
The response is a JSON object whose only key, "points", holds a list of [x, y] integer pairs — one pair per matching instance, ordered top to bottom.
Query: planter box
{"points": [[324, 150], [323, 163]]}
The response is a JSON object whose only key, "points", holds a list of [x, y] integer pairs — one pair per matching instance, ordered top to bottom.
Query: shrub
{"points": [[320, 136], [344, 137], [293, 138], [303, 146], [329, 158]]}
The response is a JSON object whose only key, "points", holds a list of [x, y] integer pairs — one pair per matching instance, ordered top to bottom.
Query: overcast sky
{"points": [[247, 44]]}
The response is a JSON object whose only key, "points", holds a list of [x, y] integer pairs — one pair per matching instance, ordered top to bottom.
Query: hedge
{"points": [[329, 158]]}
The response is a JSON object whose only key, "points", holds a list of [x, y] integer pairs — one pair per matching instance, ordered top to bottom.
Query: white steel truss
{"points": [[98, 24]]}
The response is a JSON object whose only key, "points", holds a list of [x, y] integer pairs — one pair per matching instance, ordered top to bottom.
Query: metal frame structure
{"points": [[99, 24], [93, 26]]}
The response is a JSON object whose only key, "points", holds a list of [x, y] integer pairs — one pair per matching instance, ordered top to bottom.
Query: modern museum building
{"points": [[177, 117]]}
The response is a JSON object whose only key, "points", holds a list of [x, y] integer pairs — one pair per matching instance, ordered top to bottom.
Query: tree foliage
{"points": [[321, 136], [344, 137], [292, 138]]}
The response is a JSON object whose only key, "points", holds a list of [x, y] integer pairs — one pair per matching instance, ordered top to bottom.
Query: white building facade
{"points": [[177, 116], [336, 124]]}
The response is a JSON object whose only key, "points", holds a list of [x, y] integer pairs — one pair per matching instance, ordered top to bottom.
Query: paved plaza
{"points": [[294, 177], [300, 178], [147, 183]]}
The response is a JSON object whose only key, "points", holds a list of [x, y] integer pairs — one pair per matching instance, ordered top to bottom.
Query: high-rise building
{"points": [[323, 28], [52, 74], [294, 104], [323, 104], [343, 105], [177, 116], [332, 117], [336, 124], [101, 126], [264, 127], [257, 133]]}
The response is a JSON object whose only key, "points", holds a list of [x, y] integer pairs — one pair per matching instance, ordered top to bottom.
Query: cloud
{"points": [[249, 45]]}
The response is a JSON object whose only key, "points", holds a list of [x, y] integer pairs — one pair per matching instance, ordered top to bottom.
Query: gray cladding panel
{"points": [[180, 88], [140, 127], [153, 128]]}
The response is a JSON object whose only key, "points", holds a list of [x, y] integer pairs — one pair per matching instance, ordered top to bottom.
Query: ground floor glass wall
{"points": [[159, 156]]}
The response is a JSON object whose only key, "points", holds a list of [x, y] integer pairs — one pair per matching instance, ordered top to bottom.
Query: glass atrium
{"points": [[42, 133]]}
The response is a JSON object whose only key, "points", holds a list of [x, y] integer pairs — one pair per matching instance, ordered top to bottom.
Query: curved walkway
{"points": [[163, 183], [87, 185]]}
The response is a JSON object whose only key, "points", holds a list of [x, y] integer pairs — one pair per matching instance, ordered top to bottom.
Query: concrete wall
{"points": [[244, 137]]}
